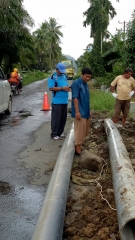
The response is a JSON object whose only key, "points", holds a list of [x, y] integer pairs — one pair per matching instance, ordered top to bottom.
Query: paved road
{"points": [[27, 157]]}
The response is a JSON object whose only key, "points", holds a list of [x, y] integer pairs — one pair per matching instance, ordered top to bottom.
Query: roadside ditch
{"points": [[90, 211]]}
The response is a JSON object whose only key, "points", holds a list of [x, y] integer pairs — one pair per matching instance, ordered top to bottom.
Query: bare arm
{"points": [[111, 89], [77, 113]]}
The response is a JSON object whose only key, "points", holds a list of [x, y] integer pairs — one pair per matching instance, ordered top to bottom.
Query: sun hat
{"points": [[61, 67]]}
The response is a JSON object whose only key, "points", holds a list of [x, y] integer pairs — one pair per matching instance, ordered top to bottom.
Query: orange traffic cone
{"points": [[46, 105]]}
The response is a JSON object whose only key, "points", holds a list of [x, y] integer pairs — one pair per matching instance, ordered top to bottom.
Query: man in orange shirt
{"points": [[125, 88]]}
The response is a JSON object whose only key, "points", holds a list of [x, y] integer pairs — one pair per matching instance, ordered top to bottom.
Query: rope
{"points": [[98, 184]]}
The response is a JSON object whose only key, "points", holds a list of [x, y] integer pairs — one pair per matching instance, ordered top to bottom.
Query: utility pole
{"points": [[124, 23], [101, 36], [101, 41]]}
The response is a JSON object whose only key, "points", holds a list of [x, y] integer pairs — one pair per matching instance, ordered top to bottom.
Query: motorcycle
{"points": [[14, 89]]}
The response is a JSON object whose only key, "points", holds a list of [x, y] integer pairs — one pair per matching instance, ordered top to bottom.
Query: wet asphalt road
{"points": [[27, 157], [17, 197]]}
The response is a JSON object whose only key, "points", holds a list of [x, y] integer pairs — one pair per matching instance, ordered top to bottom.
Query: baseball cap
{"points": [[61, 67]]}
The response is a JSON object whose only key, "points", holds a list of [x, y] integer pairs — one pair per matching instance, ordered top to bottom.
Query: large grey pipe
{"points": [[123, 182], [51, 218]]}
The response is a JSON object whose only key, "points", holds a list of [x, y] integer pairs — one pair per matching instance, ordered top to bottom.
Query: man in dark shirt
{"points": [[81, 108]]}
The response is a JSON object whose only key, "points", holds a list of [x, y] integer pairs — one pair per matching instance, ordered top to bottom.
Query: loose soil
{"points": [[88, 215]]}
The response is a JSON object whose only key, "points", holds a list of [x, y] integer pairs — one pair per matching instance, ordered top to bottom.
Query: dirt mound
{"points": [[90, 212]]}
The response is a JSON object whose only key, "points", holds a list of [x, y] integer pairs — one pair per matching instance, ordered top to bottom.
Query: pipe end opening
{"points": [[128, 231]]}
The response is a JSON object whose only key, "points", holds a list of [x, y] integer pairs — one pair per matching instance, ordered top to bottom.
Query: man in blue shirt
{"points": [[58, 84], [81, 108]]}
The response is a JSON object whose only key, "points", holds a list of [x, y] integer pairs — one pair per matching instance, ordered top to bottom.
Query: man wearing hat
{"points": [[58, 84]]}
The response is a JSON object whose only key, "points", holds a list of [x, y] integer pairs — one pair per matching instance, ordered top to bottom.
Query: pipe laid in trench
{"points": [[123, 181], [51, 218]]}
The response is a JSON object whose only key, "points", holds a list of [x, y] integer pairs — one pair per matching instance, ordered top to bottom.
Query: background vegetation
{"points": [[28, 51], [107, 56]]}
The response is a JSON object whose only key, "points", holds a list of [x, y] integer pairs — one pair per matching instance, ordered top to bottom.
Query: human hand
{"points": [[66, 88], [131, 94], [114, 95], [78, 115]]}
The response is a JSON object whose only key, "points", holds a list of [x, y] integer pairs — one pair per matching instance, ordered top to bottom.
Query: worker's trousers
{"points": [[58, 119]]}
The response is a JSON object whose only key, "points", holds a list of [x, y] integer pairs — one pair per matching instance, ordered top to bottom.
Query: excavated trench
{"points": [[91, 209]]}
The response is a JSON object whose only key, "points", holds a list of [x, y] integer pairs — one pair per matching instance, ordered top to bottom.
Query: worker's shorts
{"points": [[121, 106], [81, 129]]}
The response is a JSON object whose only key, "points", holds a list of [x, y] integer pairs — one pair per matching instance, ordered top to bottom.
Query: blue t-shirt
{"points": [[80, 91], [60, 97]]}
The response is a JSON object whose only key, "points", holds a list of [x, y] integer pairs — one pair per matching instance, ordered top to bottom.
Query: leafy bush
{"points": [[118, 68], [77, 76], [109, 78], [106, 80], [100, 81], [97, 84]]}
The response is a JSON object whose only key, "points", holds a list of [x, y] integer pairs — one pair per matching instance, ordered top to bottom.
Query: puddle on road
{"points": [[24, 111], [25, 114], [14, 120], [5, 188]]}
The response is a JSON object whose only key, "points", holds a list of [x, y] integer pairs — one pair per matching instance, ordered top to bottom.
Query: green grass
{"points": [[30, 77], [101, 101]]}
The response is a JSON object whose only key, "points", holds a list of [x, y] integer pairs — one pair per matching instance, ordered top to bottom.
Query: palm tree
{"points": [[98, 16], [13, 31], [55, 39], [47, 41]]}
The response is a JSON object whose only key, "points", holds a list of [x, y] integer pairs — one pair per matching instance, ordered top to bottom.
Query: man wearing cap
{"points": [[58, 84]]}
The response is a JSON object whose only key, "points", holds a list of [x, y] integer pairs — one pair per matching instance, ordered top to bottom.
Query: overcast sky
{"points": [[69, 14]]}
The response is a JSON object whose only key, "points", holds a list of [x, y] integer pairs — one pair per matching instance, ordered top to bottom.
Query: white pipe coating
{"points": [[123, 181], [51, 218]]}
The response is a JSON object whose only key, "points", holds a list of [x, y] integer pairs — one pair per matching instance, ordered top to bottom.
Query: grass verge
{"points": [[30, 77], [100, 100]]}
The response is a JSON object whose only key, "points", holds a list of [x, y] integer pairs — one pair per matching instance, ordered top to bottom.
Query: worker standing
{"points": [[58, 84], [125, 89]]}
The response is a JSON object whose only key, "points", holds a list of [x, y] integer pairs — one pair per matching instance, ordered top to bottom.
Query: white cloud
{"points": [[69, 14]]}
